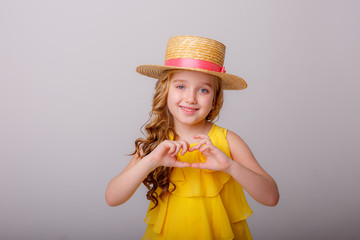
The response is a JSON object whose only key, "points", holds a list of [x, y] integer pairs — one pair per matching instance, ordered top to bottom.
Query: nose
{"points": [[190, 97]]}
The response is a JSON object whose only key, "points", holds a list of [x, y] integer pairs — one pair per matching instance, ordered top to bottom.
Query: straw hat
{"points": [[197, 54]]}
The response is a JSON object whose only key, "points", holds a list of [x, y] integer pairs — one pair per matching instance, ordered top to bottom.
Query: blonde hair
{"points": [[158, 127]]}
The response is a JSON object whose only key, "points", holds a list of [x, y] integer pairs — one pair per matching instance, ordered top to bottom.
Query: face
{"points": [[190, 97]]}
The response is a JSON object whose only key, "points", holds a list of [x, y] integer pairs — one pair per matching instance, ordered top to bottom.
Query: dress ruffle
{"points": [[193, 182], [214, 200], [215, 215]]}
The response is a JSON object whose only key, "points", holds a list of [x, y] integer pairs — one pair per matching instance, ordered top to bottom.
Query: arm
{"points": [[243, 167], [247, 171], [124, 185]]}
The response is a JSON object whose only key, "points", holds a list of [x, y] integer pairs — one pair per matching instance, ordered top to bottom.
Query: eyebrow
{"points": [[178, 80], [184, 81]]}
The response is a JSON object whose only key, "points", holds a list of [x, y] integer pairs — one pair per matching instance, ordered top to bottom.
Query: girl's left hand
{"points": [[216, 159]]}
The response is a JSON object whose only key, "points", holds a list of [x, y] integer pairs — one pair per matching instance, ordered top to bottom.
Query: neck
{"points": [[187, 132]]}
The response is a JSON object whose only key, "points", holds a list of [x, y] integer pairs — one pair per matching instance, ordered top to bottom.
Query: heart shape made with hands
{"points": [[193, 156]]}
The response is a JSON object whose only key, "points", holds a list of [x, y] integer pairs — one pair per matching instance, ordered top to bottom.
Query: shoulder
{"points": [[229, 135], [233, 138], [231, 144], [239, 149], [242, 153]]}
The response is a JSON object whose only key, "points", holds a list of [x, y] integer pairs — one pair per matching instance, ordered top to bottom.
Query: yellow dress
{"points": [[204, 205]]}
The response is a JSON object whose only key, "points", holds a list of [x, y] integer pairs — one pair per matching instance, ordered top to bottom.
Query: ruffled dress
{"points": [[204, 205]]}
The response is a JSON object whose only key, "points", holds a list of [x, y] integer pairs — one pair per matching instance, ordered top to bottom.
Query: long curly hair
{"points": [[158, 127]]}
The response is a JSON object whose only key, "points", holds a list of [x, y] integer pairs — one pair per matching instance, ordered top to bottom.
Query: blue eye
{"points": [[180, 87], [203, 90]]}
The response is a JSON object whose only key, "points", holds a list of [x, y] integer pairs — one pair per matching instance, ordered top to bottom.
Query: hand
{"points": [[165, 154], [216, 159]]}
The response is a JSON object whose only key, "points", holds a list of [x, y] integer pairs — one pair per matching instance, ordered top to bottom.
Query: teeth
{"points": [[189, 109]]}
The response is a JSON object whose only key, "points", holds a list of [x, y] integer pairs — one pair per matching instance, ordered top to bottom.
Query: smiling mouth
{"points": [[189, 109]]}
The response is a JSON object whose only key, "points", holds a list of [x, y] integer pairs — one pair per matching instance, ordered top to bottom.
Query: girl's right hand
{"points": [[165, 154]]}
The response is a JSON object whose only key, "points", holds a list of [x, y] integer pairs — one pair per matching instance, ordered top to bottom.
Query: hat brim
{"points": [[229, 81]]}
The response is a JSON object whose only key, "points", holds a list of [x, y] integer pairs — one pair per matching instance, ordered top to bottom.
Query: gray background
{"points": [[72, 105]]}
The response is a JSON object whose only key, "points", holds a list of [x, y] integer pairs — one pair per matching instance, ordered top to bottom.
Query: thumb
{"points": [[198, 165]]}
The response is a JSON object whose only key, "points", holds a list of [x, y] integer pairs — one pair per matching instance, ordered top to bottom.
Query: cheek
{"points": [[173, 96], [171, 99], [208, 101]]}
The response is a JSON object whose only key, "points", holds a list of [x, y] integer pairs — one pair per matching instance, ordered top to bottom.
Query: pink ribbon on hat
{"points": [[194, 63]]}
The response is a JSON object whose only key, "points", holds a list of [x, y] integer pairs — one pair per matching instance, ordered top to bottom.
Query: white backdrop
{"points": [[72, 105]]}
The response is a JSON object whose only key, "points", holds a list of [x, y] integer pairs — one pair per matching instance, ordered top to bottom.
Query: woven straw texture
{"points": [[195, 48]]}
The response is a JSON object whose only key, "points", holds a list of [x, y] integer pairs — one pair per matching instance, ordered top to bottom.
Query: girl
{"points": [[195, 171]]}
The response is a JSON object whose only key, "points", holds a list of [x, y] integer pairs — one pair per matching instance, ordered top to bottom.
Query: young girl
{"points": [[195, 171]]}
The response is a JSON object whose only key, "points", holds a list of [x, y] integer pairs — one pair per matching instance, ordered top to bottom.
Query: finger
{"points": [[201, 136], [199, 145], [206, 146], [178, 147], [185, 147], [172, 148], [193, 148], [181, 164], [198, 165]]}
